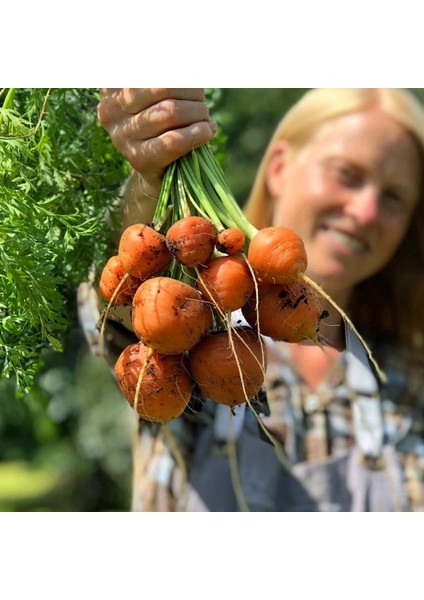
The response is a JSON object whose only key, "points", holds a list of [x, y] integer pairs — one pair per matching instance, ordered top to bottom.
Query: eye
{"points": [[349, 176], [392, 197], [398, 198]]}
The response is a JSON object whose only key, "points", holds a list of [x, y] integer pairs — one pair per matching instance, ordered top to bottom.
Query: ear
{"points": [[274, 173]]}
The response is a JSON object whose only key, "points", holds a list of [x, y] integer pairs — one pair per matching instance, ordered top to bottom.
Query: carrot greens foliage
{"points": [[59, 178]]}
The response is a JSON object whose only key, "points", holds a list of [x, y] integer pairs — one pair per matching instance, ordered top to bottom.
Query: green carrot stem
{"points": [[8, 101], [208, 156], [197, 185], [164, 193], [182, 197], [202, 197], [215, 201], [229, 203], [196, 208]]}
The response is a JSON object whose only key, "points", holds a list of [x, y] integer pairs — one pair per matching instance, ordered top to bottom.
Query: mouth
{"points": [[345, 241]]}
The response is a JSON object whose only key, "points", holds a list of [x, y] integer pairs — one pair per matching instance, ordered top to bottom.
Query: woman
{"points": [[344, 170]]}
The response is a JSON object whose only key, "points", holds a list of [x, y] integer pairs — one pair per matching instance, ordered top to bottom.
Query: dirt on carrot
{"points": [[192, 240], [231, 241], [143, 251], [111, 277], [289, 313], [169, 315], [229, 372], [160, 385]]}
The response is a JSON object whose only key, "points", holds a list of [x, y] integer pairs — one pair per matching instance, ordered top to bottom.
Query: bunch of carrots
{"points": [[184, 275]]}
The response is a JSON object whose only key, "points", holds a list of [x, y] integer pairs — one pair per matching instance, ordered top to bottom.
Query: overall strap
{"points": [[366, 407]]}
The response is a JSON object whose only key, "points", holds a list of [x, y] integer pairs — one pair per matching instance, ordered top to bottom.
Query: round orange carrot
{"points": [[192, 240], [230, 241], [143, 251], [277, 255], [111, 277], [227, 282], [289, 312], [169, 315], [229, 374], [164, 387]]}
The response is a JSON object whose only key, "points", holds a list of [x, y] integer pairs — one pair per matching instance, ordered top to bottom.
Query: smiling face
{"points": [[349, 193]]}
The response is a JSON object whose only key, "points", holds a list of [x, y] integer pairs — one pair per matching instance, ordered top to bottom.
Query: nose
{"points": [[364, 204]]}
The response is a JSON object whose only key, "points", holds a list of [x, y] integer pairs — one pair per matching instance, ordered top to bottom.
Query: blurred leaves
{"points": [[74, 429]]}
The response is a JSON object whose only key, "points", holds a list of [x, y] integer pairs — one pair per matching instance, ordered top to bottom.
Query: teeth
{"points": [[346, 239]]}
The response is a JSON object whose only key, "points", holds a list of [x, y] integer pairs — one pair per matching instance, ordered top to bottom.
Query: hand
{"points": [[154, 127]]}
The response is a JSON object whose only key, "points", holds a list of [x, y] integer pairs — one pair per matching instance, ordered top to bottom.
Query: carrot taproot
{"points": [[192, 240], [230, 241], [143, 251], [277, 254], [111, 277], [227, 282], [287, 312], [169, 315], [228, 372], [165, 388]]}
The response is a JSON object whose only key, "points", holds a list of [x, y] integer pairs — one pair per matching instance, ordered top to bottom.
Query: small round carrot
{"points": [[192, 240], [231, 241], [143, 251], [277, 255], [111, 277], [227, 282], [288, 312], [169, 315], [229, 373], [164, 387]]}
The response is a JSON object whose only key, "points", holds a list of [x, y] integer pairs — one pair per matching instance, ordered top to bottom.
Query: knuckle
{"points": [[106, 111], [168, 113]]}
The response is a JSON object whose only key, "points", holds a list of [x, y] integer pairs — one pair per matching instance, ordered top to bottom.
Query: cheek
{"points": [[304, 198], [302, 208], [395, 233]]}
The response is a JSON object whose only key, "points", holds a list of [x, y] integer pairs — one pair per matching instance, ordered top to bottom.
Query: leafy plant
{"points": [[59, 180]]}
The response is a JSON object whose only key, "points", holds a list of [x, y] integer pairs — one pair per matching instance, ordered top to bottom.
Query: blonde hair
{"points": [[319, 106], [388, 306]]}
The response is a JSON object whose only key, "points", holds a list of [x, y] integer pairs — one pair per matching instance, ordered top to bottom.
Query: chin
{"points": [[337, 279]]}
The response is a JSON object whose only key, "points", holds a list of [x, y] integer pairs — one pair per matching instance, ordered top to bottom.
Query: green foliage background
{"points": [[65, 443]]}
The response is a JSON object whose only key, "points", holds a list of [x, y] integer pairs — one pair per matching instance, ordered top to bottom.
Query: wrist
{"points": [[147, 187], [140, 197]]}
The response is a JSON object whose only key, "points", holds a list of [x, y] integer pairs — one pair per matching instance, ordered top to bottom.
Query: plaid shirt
{"points": [[315, 424]]}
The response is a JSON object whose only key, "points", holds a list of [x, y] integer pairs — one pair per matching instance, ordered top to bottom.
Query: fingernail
{"points": [[213, 126]]}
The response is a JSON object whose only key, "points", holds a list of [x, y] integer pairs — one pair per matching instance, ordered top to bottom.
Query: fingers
{"points": [[134, 100], [130, 101], [162, 117], [153, 127], [153, 155]]}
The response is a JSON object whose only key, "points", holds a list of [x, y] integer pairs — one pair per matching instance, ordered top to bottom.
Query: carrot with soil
{"points": [[231, 241], [143, 251], [112, 276], [226, 282], [289, 313], [169, 315], [228, 373], [158, 387]]}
